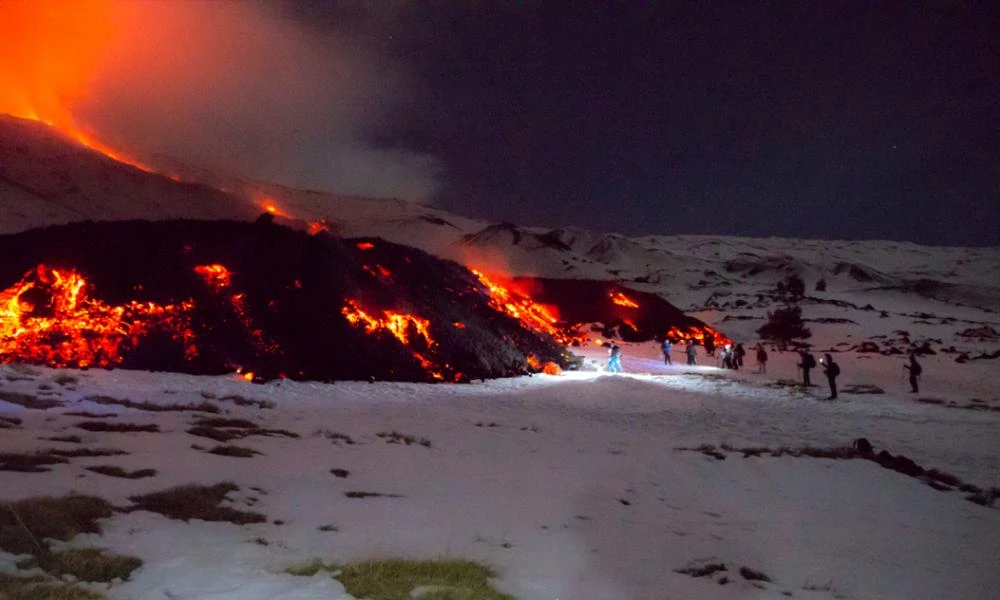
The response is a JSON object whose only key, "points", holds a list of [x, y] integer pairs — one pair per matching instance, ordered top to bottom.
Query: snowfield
{"points": [[570, 487]]}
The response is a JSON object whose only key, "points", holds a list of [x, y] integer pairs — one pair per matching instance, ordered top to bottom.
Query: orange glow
{"points": [[51, 53], [271, 207], [317, 226], [365, 245], [378, 271], [216, 275], [219, 278], [623, 300], [533, 316], [48, 318], [398, 324], [697, 334], [552, 368], [248, 376]]}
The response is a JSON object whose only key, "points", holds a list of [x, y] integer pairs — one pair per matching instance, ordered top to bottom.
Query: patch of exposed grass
{"points": [[65, 380], [862, 388], [29, 401], [241, 401], [154, 407], [86, 414], [9, 422], [225, 422], [118, 427], [224, 430], [219, 435], [395, 437], [336, 438], [69, 439], [234, 451], [85, 452], [29, 463], [113, 471], [341, 473], [942, 477], [354, 494], [985, 497], [196, 502], [47, 517], [327, 528], [87, 564], [702, 571], [751, 575], [401, 579], [41, 588]]}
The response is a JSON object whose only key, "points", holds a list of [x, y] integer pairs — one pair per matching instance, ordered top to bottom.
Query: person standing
{"points": [[709, 345], [667, 346], [691, 353], [740, 353], [761, 359], [615, 362], [808, 363], [831, 369], [915, 370]]}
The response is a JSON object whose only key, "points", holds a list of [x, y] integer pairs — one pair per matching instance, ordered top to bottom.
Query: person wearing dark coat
{"points": [[709, 345], [691, 353], [739, 353], [761, 359], [807, 364], [831, 370], [915, 370]]}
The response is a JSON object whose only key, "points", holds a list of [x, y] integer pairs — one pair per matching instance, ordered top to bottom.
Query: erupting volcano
{"points": [[216, 297]]}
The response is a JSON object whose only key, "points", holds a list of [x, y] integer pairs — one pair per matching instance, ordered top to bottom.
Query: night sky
{"points": [[851, 120]]}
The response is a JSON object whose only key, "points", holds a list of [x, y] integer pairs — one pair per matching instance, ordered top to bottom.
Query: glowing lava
{"points": [[622, 300], [533, 316], [48, 318], [398, 324], [698, 334]]}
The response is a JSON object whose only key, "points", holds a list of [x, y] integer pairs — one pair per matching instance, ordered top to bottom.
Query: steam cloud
{"points": [[238, 87]]}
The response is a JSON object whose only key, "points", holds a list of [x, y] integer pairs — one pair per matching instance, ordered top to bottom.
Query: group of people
{"points": [[731, 357]]}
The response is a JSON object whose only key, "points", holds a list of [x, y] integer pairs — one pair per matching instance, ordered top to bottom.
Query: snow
{"points": [[532, 475]]}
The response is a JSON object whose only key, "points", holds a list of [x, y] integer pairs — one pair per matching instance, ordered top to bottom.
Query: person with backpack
{"points": [[667, 346], [739, 353], [761, 359], [615, 362], [808, 363], [831, 370], [915, 370]]}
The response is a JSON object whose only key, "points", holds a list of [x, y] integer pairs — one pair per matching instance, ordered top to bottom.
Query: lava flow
{"points": [[533, 316], [48, 318], [698, 335]]}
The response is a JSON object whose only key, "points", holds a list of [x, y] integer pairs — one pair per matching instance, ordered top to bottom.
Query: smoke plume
{"points": [[234, 86]]}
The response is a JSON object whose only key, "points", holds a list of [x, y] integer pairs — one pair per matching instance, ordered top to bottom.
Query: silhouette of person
{"points": [[915, 370]]}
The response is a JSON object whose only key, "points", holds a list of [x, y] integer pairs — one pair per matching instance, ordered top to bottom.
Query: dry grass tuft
{"points": [[29, 401], [154, 407], [118, 427], [234, 451], [113, 471], [196, 502], [48, 517], [87, 564], [41, 588]]}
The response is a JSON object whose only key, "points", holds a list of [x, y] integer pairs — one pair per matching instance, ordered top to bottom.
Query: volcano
{"points": [[206, 297]]}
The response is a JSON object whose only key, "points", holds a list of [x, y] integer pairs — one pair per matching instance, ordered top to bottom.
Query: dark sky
{"points": [[858, 120]]}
